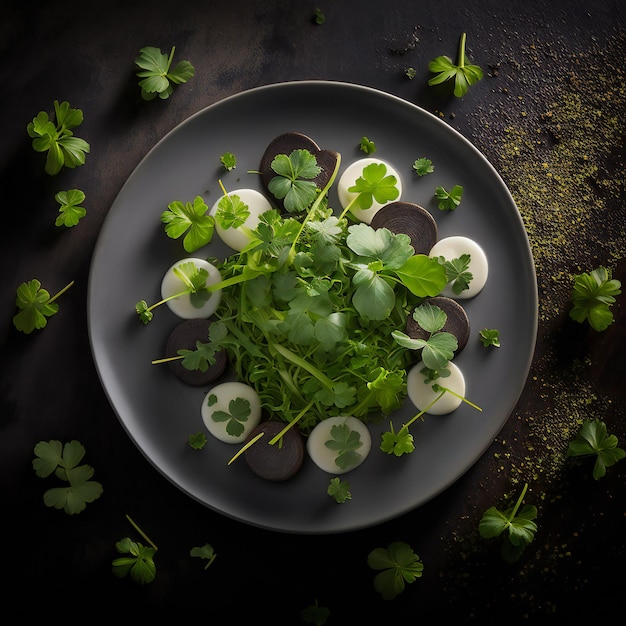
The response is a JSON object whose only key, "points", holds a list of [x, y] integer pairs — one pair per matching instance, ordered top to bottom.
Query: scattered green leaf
{"points": [[318, 16], [410, 73], [463, 75], [157, 76], [57, 139], [367, 146], [228, 161], [423, 166], [293, 183], [374, 184], [448, 200], [70, 211], [191, 220], [457, 272], [592, 297], [35, 306], [490, 337], [238, 413], [197, 440], [592, 441], [63, 461], [339, 490], [517, 522], [204, 552], [139, 559], [397, 565], [315, 614]]}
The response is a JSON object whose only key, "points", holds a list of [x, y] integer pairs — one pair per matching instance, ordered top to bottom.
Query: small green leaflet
{"points": [[464, 75], [157, 76], [57, 139], [367, 146], [228, 161], [423, 166], [293, 183], [374, 184], [448, 200], [70, 211], [231, 212], [192, 219], [457, 272], [592, 296], [35, 306], [490, 337], [201, 357], [238, 413], [197, 440], [592, 441], [345, 442], [63, 460], [339, 490], [518, 524], [204, 552], [139, 564], [397, 565]]}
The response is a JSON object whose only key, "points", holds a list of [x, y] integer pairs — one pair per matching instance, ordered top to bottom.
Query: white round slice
{"points": [[349, 178], [238, 238], [452, 248], [182, 306], [421, 393], [234, 407], [324, 456]]}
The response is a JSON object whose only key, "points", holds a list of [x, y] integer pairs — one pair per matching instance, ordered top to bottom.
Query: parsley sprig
{"points": [[464, 75], [157, 76], [56, 138], [592, 296], [36, 306], [593, 441], [52, 457], [514, 525], [397, 565]]}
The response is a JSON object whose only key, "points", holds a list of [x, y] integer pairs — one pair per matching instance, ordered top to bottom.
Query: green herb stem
{"points": [[462, 50], [56, 295], [305, 365], [293, 422], [134, 525]]}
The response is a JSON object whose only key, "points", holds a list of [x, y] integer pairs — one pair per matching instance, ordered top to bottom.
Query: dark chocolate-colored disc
{"points": [[410, 219], [457, 323], [184, 337], [279, 461]]}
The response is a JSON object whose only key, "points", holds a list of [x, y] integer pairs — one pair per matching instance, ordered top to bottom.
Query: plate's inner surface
{"points": [[133, 252]]}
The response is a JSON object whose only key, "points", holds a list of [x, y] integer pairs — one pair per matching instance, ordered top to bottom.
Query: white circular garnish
{"points": [[349, 178], [237, 237], [452, 248], [182, 305], [421, 393], [231, 411], [324, 444]]}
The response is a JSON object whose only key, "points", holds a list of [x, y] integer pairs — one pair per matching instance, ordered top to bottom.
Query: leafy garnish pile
{"points": [[309, 306]]}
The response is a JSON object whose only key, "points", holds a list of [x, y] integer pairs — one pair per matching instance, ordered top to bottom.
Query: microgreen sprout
{"points": [[410, 73], [464, 75], [157, 76], [57, 139], [367, 146], [228, 161], [423, 166], [448, 200], [70, 211], [193, 277], [592, 296], [36, 305], [490, 337], [197, 440], [592, 440], [52, 457], [339, 490], [518, 524], [204, 552], [138, 560], [397, 565]]}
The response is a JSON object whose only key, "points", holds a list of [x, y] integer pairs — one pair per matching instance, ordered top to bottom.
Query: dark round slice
{"points": [[286, 144], [410, 219], [457, 323], [184, 337], [277, 462]]}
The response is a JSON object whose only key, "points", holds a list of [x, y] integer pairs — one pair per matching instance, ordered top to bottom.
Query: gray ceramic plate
{"points": [[133, 252]]}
